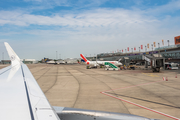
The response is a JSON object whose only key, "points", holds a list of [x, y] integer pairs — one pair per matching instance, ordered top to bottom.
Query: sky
{"points": [[38, 28]]}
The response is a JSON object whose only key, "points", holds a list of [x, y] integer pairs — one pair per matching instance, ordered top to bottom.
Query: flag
{"points": [[163, 42], [154, 44], [148, 45], [141, 46], [127, 48], [134, 48], [122, 50]]}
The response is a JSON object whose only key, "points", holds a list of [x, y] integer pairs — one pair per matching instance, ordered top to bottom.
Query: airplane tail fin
{"points": [[12, 55], [84, 58], [45, 59]]}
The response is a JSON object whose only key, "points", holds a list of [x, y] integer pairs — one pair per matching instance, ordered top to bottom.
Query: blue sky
{"points": [[38, 28]]}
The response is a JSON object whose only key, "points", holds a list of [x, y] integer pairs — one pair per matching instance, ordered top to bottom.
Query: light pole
{"points": [[168, 42], [159, 45], [152, 46], [145, 48], [139, 49], [159, 49], [132, 50], [126, 52], [56, 55], [59, 56], [3, 57]]}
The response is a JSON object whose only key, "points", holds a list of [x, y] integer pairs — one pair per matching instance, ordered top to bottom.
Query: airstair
{"points": [[112, 66]]}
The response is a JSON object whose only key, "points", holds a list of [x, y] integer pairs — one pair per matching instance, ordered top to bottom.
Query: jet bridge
{"points": [[125, 61], [156, 61]]}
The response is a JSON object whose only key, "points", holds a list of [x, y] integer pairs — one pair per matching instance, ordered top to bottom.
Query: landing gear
{"points": [[101, 66], [88, 67]]}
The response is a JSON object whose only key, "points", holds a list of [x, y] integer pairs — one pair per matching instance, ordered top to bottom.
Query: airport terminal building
{"points": [[170, 53], [25, 61]]}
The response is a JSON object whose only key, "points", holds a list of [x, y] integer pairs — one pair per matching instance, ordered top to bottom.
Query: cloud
{"points": [[47, 2], [75, 4], [170, 7], [99, 17], [88, 18], [88, 31]]}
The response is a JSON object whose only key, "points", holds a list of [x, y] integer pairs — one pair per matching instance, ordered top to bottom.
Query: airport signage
{"points": [[177, 40], [163, 42], [154, 44], [148, 45], [150, 52], [153, 52], [146, 53]]}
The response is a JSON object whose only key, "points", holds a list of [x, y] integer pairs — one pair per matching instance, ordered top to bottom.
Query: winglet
{"points": [[12, 55], [82, 56]]}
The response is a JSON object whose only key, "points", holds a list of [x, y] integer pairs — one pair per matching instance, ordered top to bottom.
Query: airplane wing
{"points": [[20, 96], [22, 99]]}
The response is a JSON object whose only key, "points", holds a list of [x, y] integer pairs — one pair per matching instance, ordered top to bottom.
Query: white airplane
{"points": [[49, 62], [53, 62], [97, 63], [22, 98]]}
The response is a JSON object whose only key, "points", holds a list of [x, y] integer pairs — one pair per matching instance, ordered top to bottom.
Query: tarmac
{"points": [[139, 92]]}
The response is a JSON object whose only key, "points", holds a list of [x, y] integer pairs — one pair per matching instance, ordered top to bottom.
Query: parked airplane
{"points": [[49, 62], [53, 62], [97, 63], [22, 98]]}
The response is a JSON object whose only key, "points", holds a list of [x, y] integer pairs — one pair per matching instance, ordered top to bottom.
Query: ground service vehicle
{"points": [[132, 65], [171, 66]]}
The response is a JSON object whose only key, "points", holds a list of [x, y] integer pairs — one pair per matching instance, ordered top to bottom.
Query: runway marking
{"points": [[150, 74], [134, 86], [161, 113]]}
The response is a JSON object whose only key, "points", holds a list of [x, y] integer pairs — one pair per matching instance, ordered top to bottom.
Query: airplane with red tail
{"points": [[99, 63]]}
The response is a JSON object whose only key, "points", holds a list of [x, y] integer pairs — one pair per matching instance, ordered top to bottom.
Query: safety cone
{"points": [[176, 76], [163, 78], [166, 78]]}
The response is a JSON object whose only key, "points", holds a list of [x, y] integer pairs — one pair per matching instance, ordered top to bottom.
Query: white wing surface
{"points": [[20, 96]]}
